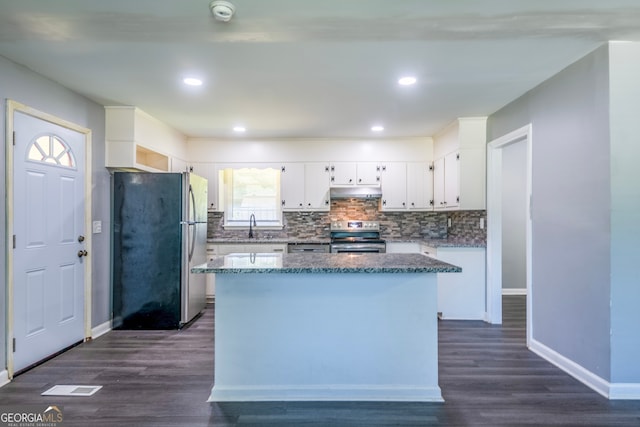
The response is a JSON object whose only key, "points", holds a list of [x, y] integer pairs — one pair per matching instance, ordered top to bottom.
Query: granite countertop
{"points": [[451, 242], [455, 242], [325, 263]]}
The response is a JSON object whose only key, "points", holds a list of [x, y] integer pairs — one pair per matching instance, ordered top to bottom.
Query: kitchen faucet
{"points": [[252, 223]]}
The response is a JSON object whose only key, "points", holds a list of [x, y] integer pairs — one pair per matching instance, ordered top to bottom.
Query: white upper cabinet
{"points": [[136, 141], [460, 166], [210, 172], [343, 173], [355, 173], [368, 173], [451, 180], [438, 183], [292, 185], [420, 185], [304, 186], [316, 186], [394, 186], [407, 186], [446, 187]]}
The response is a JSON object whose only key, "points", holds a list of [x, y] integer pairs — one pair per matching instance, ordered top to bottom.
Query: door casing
{"points": [[494, 224]]}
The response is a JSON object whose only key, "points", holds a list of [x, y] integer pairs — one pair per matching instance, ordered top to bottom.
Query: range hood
{"points": [[355, 192]]}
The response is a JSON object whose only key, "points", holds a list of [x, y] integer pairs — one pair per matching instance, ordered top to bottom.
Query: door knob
{"points": [[81, 238], [82, 253]]}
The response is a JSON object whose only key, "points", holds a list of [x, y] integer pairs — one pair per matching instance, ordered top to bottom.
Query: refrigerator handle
{"points": [[192, 222]]}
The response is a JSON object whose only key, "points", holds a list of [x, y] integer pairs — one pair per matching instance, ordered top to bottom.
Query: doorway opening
{"points": [[496, 226]]}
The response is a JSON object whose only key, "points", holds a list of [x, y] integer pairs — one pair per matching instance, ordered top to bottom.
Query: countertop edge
{"points": [[432, 242], [312, 270]]}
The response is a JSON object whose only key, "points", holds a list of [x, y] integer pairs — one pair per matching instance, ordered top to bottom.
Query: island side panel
{"points": [[351, 336]]}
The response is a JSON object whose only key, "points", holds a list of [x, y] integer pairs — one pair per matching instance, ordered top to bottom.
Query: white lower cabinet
{"points": [[403, 247], [210, 278], [461, 295]]}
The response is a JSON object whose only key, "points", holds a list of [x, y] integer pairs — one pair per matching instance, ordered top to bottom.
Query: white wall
{"points": [[22, 85], [569, 114], [447, 140], [310, 150], [625, 212], [514, 216]]}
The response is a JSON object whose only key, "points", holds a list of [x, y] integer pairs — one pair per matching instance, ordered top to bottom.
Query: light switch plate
{"points": [[481, 223], [97, 227]]}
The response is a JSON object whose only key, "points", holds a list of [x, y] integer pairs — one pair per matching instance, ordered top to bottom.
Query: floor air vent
{"points": [[72, 390]]}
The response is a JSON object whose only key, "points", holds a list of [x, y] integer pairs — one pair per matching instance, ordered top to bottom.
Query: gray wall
{"points": [[21, 85], [625, 211], [514, 218], [570, 247]]}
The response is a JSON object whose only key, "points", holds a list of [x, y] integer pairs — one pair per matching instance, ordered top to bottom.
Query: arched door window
{"points": [[51, 149]]}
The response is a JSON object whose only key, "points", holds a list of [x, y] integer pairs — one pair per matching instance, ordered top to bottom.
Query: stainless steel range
{"points": [[356, 237]]}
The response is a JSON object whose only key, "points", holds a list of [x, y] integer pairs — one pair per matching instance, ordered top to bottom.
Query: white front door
{"points": [[48, 227]]}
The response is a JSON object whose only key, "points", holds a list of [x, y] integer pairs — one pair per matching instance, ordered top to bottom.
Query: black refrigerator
{"points": [[159, 232]]}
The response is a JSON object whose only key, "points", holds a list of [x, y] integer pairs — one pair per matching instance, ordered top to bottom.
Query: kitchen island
{"points": [[326, 327]]}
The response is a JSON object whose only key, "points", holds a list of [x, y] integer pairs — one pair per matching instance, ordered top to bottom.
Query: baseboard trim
{"points": [[514, 291], [101, 329], [586, 377], [4, 378], [624, 391], [326, 393]]}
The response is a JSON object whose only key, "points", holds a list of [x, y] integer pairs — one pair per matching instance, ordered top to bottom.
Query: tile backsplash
{"points": [[466, 224], [393, 225]]}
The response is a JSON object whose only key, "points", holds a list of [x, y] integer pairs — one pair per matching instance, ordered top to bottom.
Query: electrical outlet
{"points": [[448, 222], [481, 223], [97, 227]]}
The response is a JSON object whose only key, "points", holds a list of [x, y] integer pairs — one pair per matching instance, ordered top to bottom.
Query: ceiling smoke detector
{"points": [[222, 10]]}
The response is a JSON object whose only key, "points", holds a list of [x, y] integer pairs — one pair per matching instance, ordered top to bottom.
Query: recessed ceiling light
{"points": [[192, 81], [407, 81], [377, 128], [239, 129]]}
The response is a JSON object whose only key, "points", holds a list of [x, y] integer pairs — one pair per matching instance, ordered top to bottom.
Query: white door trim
{"points": [[12, 108], [494, 224]]}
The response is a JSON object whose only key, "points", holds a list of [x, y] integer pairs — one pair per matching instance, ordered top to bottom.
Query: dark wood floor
{"points": [[163, 378]]}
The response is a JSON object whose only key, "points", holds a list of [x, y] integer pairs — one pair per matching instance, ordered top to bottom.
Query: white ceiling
{"points": [[302, 68]]}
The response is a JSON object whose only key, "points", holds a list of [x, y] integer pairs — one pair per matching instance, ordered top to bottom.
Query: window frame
{"points": [[226, 181]]}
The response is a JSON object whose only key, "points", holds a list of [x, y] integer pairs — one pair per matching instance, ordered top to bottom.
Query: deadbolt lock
{"points": [[81, 238]]}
